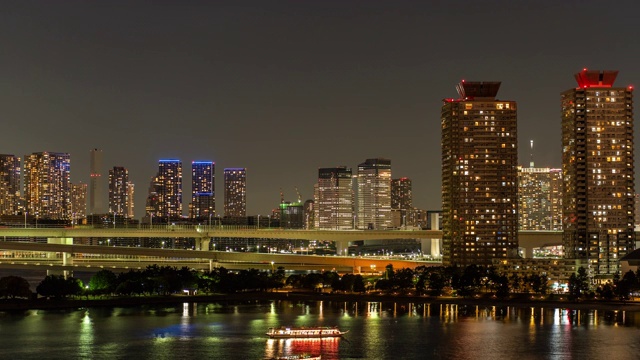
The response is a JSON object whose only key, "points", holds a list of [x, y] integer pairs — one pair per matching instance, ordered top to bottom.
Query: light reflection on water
{"points": [[377, 330]]}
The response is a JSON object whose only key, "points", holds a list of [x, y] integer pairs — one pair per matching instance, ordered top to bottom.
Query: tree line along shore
{"points": [[472, 285]]}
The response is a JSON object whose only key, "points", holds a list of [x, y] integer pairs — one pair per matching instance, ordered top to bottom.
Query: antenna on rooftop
{"points": [[531, 154]]}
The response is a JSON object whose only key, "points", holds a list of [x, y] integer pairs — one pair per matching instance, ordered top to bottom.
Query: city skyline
{"points": [[233, 83]]}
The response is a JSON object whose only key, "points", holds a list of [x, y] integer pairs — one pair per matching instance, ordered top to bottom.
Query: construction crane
{"points": [[299, 196], [281, 197]]}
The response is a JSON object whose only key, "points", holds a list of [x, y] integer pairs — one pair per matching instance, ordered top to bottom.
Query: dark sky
{"points": [[285, 87]]}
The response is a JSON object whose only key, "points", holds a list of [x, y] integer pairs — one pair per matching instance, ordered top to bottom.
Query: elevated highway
{"points": [[430, 239], [70, 256]]}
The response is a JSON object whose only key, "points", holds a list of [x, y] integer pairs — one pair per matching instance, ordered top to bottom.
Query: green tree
{"points": [[103, 282], [578, 283], [358, 284], [501, 285], [14, 287], [58, 287], [623, 287]]}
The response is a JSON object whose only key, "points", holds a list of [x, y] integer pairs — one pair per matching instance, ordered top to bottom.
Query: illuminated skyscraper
{"points": [[598, 171], [479, 176], [9, 185], [47, 185], [170, 189], [120, 192], [235, 192], [96, 193], [374, 194], [203, 196], [401, 198], [540, 198], [334, 200], [78, 201], [130, 204], [152, 206]]}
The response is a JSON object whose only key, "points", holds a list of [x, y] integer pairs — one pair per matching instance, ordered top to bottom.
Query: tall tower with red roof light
{"points": [[598, 171]]}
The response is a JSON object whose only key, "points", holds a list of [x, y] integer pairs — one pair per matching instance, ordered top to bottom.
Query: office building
{"points": [[598, 172], [479, 176], [47, 185], [170, 189], [235, 192], [374, 194], [10, 195], [203, 196], [540, 198], [334, 200], [309, 214], [292, 215]]}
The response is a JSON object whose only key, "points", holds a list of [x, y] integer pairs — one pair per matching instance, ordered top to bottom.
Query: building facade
{"points": [[598, 171], [479, 176], [95, 182], [47, 185], [170, 189], [120, 192], [235, 192], [10, 194], [374, 194], [203, 195], [540, 198], [401, 199], [334, 200], [78, 202]]}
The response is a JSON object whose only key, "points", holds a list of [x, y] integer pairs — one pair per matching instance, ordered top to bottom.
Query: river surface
{"points": [[376, 331]]}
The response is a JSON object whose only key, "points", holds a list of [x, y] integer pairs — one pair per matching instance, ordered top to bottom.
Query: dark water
{"points": [[376, 331]]}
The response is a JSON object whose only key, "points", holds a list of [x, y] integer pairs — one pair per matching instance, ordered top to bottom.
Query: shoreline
{"points": [[44, 304]]}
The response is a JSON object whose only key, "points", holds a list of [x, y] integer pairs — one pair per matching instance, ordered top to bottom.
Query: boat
{"points": [[287, 332], [298, 357]]}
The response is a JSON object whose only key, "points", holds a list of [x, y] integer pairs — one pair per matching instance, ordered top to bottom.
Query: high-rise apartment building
{"points": [[598, 171], [479, 176], [47, 185], [170, 189], [120, 192], [235, 192], [96, 193], [374, 194], [10, 195], [203, 196], [401, 198], [540, 198], [334, 200], [78, 201], [130, 205], [152, 206]]}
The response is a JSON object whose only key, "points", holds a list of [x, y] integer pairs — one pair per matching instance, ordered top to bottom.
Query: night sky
{"points": [[285, 87]]}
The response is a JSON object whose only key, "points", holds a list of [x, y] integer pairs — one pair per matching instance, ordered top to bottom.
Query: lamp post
{"points": [[25, 219], [258, 221], [272, 266]]}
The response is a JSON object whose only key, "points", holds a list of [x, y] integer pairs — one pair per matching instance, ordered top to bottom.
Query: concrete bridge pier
{"points": [[203, 243], [342, 247], [431, 247], [67, 257]]}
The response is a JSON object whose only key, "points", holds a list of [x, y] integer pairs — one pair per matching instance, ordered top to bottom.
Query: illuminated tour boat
{"points": [[287, 332], [299, 357]]}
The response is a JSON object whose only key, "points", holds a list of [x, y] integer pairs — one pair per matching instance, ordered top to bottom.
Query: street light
{"points": [[272, 266]]}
